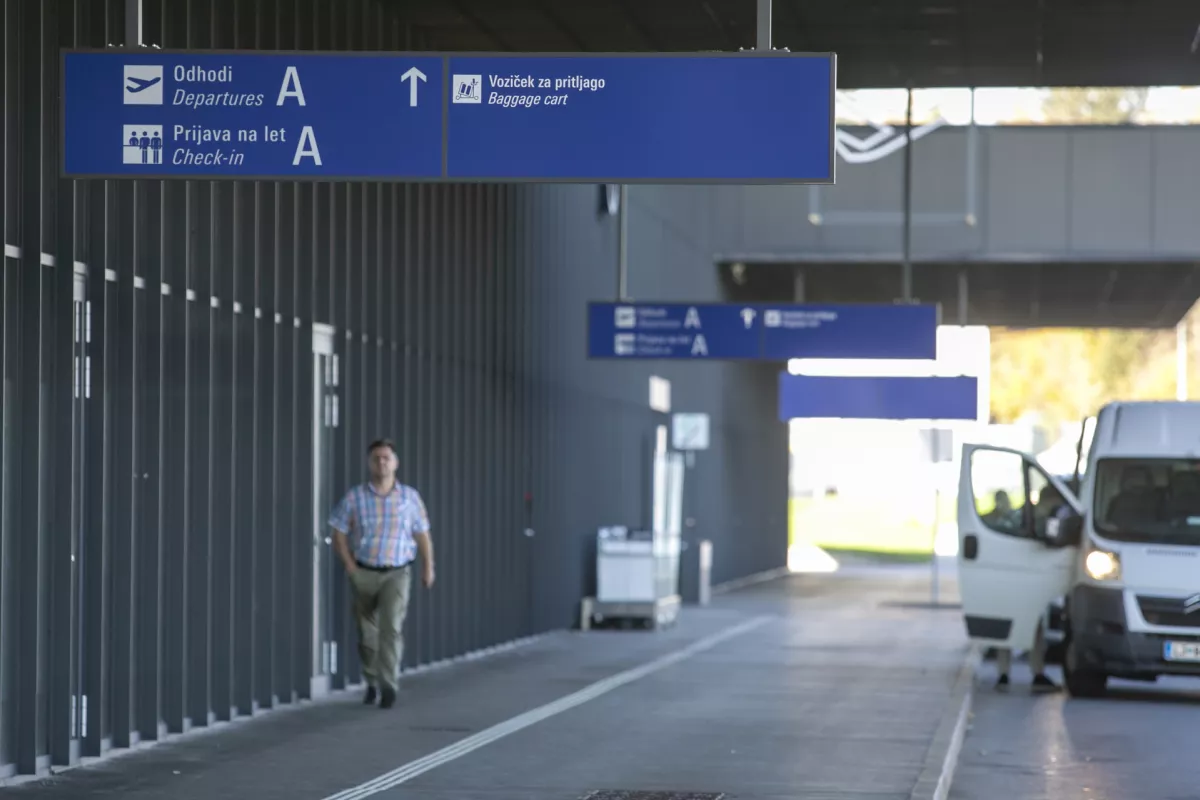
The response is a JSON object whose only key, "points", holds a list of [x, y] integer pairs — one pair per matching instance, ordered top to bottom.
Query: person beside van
{"points": [[1050, 505], [1042, 682]]}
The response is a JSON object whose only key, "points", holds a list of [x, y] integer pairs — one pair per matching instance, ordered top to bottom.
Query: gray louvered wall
{"points": [[160, 391]]}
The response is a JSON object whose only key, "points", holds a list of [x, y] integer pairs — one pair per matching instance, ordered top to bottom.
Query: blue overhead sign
{"points": [[624, 118], [754, 331], [878, 397]]}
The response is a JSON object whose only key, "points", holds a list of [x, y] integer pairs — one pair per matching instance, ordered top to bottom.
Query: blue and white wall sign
{"points": [[625, 118], [753, 331]]}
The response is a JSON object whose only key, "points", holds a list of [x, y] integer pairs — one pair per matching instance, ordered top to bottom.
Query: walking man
{"points": [[378, 529]]}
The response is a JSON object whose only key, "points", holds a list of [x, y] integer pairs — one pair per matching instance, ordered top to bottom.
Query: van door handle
{"points": [[970, 547]]}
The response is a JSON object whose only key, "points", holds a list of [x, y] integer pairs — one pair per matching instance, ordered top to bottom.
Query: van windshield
{"points": [[1148, 500]]}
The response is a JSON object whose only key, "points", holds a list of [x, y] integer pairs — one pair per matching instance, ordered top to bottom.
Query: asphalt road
{"points": [[1137, 744]]}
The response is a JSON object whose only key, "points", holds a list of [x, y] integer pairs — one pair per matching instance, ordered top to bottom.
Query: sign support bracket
{"points": [[133, 23], [764, 25], [623, 244], [906, 277]]}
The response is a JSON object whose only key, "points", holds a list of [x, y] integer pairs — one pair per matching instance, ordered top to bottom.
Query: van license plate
{"points": [[1181, 651]]}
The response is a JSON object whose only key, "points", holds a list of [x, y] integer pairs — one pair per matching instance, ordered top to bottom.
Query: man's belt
{"points": [[383, 567]]}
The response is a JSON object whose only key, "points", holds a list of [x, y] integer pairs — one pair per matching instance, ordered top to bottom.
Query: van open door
{"points": [[1011, 566]]}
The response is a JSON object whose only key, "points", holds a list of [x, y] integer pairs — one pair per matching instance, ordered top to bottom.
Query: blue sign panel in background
{"points": [[157, 114], [742, 118], [615, 119], [672, 330], [850, 331], [766, 332], [873, 397]]}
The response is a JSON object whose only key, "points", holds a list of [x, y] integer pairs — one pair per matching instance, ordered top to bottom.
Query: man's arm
{"points": [[342, 520], [424, 542], [342, 547], [425, 547]]}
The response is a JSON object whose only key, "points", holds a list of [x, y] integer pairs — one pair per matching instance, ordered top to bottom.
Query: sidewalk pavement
{"points": [[811, 686]]}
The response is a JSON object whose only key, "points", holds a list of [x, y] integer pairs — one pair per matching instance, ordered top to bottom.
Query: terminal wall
{"points": [[1087, 193], [602, 425], [169, 437]]}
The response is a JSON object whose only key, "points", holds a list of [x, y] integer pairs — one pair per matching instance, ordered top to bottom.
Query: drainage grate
{"points": [[633, 794]]}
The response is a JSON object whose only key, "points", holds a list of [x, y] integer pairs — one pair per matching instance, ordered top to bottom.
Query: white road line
{"points": [[483, 738]]}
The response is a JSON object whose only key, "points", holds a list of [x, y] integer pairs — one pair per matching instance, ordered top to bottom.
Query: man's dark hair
{"points": [[378, 443]]}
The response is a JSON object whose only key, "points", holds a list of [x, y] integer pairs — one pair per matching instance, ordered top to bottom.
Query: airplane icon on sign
{"points": [[143, 84], [139, 85]]}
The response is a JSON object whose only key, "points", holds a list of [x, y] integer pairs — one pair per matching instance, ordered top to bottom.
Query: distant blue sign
{"points": [[663, 118], [760, 332], [896, 398]]}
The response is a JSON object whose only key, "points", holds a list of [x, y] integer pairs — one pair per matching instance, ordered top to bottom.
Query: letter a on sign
{"points": [[291, 87], [307, 147], [692, 320], [699, 345]]}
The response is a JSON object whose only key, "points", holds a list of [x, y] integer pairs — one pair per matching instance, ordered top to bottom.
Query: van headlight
{"points": [[1102, 565]]}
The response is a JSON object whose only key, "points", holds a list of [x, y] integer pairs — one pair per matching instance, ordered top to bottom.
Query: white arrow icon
{"points": [[412, 75]]}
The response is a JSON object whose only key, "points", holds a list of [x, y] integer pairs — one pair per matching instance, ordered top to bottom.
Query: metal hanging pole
{"points": [[133, 23], [764, 25], [623, 243], [906, 269], [963, 295], [935, 580]]}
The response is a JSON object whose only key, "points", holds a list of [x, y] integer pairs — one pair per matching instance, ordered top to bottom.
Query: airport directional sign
{"points": [[754, 117], [755, 331]]}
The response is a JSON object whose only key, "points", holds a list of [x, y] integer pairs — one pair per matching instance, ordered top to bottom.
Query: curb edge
{"points": [[941, 761]]}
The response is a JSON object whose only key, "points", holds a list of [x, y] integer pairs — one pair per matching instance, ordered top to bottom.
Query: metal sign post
{"points": [[940, 451]]}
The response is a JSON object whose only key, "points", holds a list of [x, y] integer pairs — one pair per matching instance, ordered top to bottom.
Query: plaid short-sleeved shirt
{"points": [[381, 526]]}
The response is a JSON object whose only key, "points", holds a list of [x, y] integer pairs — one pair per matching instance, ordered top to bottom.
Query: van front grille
{"points": [[1171, 612]]}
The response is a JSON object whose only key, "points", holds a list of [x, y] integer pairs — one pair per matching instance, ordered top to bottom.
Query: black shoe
{"points": [[1002, 683], [1041, 683], [369, 697], [388, 697]]}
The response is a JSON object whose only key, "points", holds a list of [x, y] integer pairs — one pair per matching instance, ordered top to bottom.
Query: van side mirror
{"points": [[1067, 532]]}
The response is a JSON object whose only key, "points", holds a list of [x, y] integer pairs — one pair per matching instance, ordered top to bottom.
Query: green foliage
{"points": [[1094, 105], [1067, 374]]}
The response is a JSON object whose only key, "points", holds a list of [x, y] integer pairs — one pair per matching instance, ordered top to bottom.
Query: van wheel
{"points": [[1082, 682]]}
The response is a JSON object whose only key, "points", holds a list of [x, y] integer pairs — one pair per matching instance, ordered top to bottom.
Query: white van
{"points": [[1122, 558]]}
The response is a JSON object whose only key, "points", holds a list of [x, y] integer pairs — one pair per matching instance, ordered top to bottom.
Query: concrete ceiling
{"points": [[879, 43], [1019, 295]]}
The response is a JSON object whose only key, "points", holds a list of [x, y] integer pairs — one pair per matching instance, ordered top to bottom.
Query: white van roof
{"points": [[1148, 429]]}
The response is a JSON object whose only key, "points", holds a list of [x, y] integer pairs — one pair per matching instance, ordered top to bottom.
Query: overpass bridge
{"points": [[1020, 225], [193, 368]]}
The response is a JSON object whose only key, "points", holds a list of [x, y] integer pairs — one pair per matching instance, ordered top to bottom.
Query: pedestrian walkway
{"points": [[821, 686]]}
